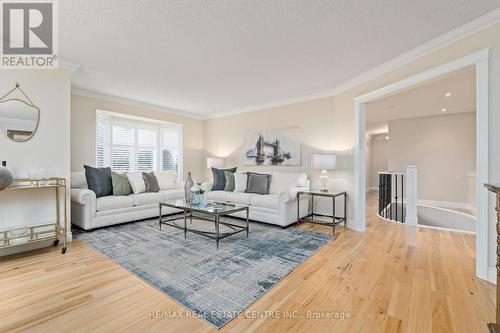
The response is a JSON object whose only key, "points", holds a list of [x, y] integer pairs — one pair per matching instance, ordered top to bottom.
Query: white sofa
{"points": [[279, 207], [89, 212]]}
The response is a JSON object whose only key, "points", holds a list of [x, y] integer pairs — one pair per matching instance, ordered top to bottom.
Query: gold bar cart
{"points": [[41, 232]]}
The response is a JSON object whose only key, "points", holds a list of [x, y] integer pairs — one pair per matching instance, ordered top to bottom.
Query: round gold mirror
{"points": [[18, 119]]}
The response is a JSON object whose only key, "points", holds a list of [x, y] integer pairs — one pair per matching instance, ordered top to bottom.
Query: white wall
{"points": [[444, 150], [48, 151], [378, 159]]}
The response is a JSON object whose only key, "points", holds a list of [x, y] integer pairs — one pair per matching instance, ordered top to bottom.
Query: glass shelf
{"points": [[39, 183]]}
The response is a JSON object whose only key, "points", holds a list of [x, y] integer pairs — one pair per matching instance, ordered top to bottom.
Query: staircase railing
{"points": [[391, 195], [398, 195]]}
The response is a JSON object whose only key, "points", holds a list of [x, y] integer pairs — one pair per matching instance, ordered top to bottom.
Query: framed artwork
{"points": [[273, 147]]}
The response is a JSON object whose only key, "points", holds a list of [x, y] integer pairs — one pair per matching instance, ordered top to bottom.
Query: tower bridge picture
{"points": [[265, 150]]}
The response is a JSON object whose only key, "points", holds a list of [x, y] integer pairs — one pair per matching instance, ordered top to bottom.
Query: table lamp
{"points": [[324, 162]]}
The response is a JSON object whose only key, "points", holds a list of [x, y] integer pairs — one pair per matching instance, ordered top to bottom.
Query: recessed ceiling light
{"points": [[448, 94], [444, 110], [387, 138]]}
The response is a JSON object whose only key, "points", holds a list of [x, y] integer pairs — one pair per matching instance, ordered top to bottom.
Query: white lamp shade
{"points": [[324, 161], [215, 162]]}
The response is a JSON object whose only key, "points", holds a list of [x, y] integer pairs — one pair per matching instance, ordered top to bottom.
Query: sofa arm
{"points": [[179, 184], [207, 187], [294, 190], [83, 196], [83, 207]]}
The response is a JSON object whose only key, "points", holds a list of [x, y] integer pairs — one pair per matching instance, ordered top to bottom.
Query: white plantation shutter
{"points": [[123, 135], [102, 141], [131, 145], [147, 149], [170, 149], [122, 159]]}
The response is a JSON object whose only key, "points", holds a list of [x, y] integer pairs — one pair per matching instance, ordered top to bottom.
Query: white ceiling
{"points": [[211, 57], [427, 99]]}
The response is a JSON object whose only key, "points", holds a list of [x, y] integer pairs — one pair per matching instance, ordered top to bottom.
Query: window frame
{"points": [[114, 119]]}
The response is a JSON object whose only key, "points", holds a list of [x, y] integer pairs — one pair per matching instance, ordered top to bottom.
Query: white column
{"points": [[411, 195]]}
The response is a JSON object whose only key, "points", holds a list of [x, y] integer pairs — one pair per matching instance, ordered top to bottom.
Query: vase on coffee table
{"points": [[187, 187]]}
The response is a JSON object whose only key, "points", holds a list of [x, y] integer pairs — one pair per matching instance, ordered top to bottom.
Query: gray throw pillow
{"points": [[220, 178], [99, 180], [229, 181], [151, 182], [258, 183], [121, 185]]}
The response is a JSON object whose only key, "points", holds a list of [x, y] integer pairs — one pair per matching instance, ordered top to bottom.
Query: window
{"points": [[135, 144]]}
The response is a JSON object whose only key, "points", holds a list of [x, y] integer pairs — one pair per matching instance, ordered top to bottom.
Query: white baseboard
{"points": [[445, 204], [411, 221], [352, 225], [492, 275]]}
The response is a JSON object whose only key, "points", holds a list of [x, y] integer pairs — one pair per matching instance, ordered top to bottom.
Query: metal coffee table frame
{"points": [[199, 213]]}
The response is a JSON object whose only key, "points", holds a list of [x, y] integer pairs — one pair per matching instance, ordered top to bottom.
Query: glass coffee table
{"points": [[210, 211]]}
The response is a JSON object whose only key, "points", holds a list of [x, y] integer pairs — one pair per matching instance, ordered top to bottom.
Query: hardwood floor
{"points": [[392, 278]]}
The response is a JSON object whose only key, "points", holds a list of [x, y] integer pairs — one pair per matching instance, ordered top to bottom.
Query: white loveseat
{"points": [[278, 207], [89, 212]]}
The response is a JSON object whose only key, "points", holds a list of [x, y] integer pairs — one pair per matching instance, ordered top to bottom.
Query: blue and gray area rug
{"points": [[216, 284]]}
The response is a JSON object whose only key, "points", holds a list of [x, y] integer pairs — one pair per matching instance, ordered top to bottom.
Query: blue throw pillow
{"points": [[220, 178]]}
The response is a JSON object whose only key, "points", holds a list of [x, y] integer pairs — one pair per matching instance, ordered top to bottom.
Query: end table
{"points": [[335, 219]]}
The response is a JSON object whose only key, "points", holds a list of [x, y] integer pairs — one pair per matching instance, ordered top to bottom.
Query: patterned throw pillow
{"points": [[229, 181], [151, 182], [258, 183]]}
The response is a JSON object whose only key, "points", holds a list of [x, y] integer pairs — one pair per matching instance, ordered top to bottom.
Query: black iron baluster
{"points": [[396, 197], [402, 199]]}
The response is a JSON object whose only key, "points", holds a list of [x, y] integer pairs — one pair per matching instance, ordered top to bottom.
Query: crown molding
{"points": [[482, 22], [67, 65], [127, 101]]}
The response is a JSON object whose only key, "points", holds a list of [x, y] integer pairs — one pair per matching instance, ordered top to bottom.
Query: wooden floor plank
{"points": [[392, 278]]}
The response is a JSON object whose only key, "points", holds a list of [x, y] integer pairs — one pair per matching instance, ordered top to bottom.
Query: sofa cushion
{"points": [[166, 179], [99, 180], [283, 181], [136, 182], [258, 183], [172, 194], [217, 195], [148, 198], [240, 198], [270, 201], [114, 202]]}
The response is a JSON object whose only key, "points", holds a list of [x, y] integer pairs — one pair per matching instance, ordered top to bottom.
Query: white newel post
{"points": [[411, 195]]}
